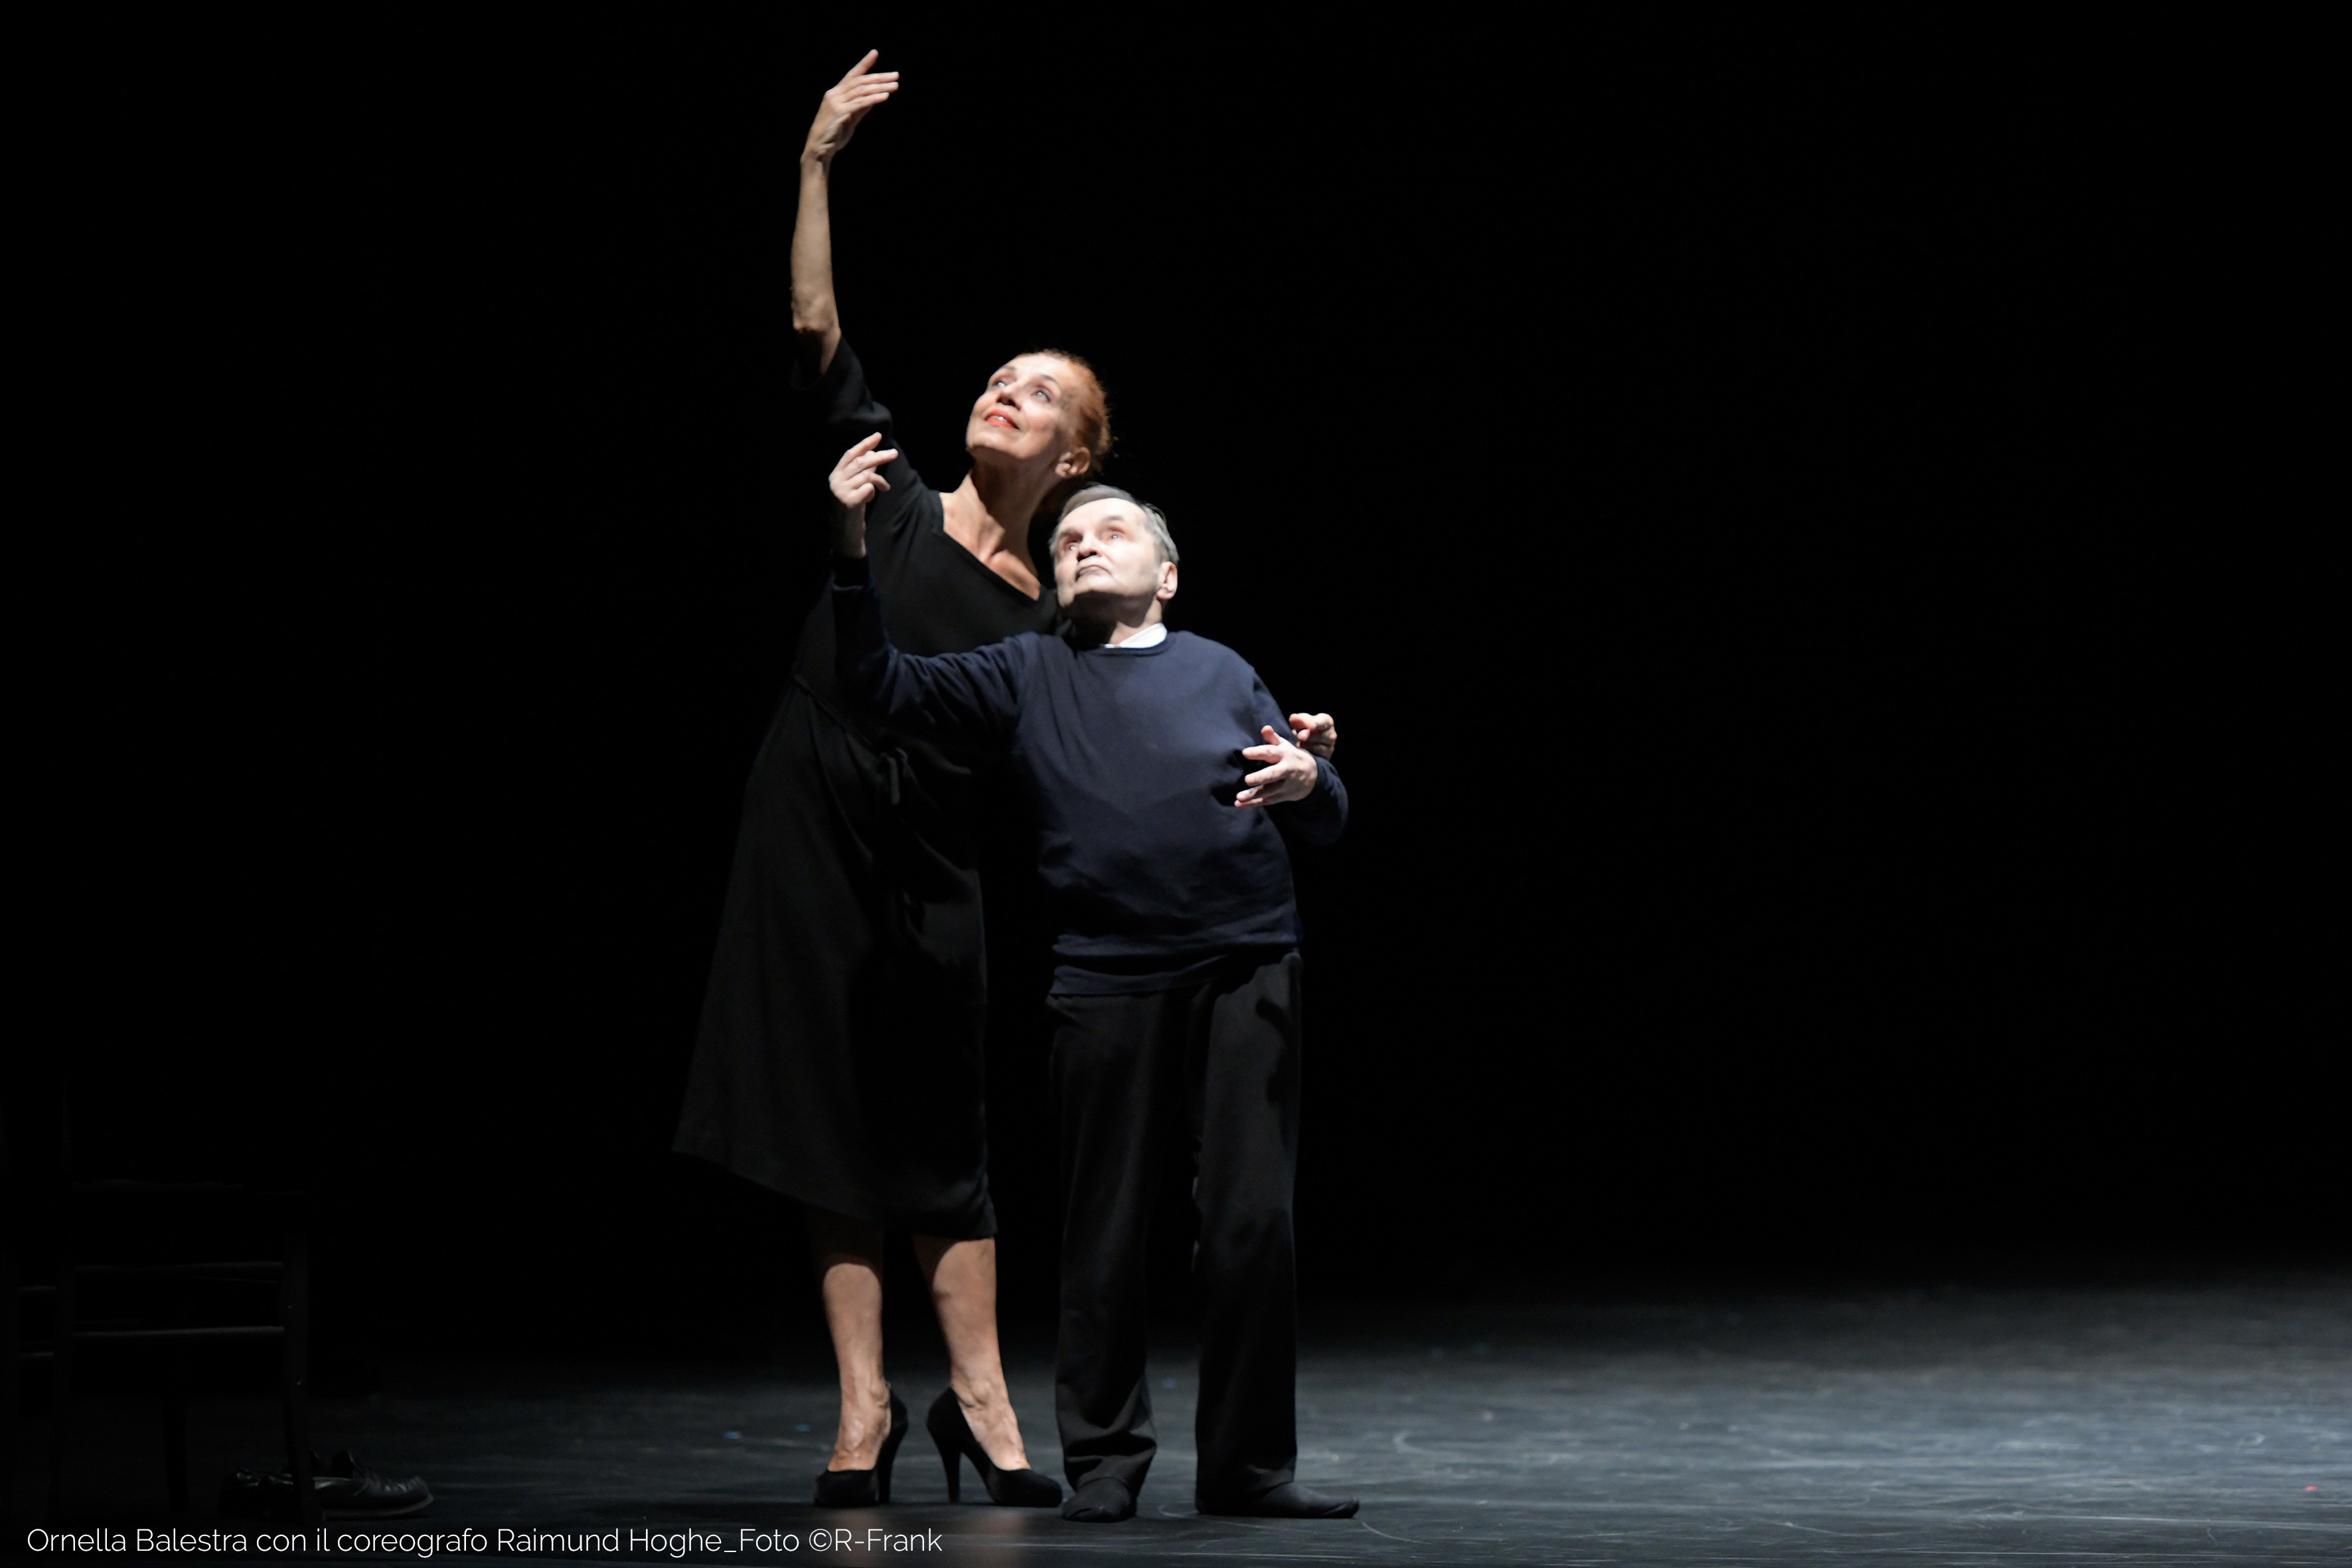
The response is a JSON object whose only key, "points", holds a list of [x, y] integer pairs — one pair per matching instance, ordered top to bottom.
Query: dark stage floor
{"points": [[2205, 1424]]}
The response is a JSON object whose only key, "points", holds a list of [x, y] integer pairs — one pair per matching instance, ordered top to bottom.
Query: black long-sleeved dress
{"points": [[840, 1057]]}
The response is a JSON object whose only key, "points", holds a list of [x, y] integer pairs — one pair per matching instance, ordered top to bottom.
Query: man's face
{"points": [[1105, 559]]}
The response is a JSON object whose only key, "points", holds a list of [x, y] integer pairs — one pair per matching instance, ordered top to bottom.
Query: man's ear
{"points": [[1167, 589]]}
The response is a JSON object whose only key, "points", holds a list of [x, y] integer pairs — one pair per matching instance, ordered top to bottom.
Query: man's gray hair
{"points": [[1153, 518]]}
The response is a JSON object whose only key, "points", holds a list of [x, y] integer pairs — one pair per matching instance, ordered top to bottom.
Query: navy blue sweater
{"points": [[1129, 761]]}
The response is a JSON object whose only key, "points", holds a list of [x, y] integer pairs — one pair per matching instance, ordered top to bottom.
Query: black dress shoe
{"points": [[345, 1488], [349, 1489], [863, 1489], [1006, 1489], [1288, 1500], [1101, 1501]]}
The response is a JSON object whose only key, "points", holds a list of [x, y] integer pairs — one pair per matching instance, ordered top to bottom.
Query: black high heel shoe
{"points": [[863, 1489], [1006, 1489]]}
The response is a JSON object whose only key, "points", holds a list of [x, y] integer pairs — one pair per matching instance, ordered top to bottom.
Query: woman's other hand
{"points": [[847, 102], [854, 481], [1316, 732], [1291, 776]]}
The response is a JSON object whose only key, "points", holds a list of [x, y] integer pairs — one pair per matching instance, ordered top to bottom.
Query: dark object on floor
{"points": [[150, 1274], [344, 1488], [863, 1489], [1006, 1489], [1102, 1500], [1288, 1500]]}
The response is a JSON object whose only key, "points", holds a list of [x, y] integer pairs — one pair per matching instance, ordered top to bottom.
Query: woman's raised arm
{"points": [[817, 318]]}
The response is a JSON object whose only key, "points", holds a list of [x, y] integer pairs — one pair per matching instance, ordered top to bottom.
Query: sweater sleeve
{"points": [[967, 697], [1323, 815]]}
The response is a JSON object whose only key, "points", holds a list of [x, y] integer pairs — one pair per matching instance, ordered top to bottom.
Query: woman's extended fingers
{"points": [[857, 79], [847, 102], [863, 455], [859, 473]]}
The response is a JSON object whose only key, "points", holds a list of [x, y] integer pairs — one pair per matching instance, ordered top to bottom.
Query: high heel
{"points": [[863, 1489], [1006, 1489]]}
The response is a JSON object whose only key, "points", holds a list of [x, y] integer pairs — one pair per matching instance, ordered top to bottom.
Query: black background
{"points": [[1789, 525]]}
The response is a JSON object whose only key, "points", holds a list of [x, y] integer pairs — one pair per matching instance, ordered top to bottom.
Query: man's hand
{"points": [[847, 102], [853, 480], [1316, 732], [1291, 777]]}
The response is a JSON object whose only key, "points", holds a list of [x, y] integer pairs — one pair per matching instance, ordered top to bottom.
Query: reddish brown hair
{"points": [[1090, 403]]}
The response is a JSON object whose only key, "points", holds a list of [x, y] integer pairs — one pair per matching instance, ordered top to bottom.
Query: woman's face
{"points": [[1027, 413]]}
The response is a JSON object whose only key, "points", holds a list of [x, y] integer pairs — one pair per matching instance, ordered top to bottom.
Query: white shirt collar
{"points": [[1152, 636]]}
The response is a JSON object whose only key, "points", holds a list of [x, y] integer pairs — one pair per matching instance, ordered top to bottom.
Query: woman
{"points": [[840, 1055]]}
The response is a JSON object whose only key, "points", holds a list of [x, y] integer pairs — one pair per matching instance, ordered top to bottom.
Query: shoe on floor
{"points": [[345, 1489], [349, 1489], [1102, 1500], [1288, 1500]]}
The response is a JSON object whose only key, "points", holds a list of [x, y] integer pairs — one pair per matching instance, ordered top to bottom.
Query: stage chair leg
{"points": [[11, 1341], [61, 1370], [293, 1370], [175, 1431]]}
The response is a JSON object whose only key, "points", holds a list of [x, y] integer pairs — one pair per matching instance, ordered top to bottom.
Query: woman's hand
{"points": [[847, 102], [816, 317], [853, 480], [1317, 732], [1291, 776]]}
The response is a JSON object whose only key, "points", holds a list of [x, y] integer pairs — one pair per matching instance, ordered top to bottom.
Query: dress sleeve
{"points": [[843, 411], [952, 696], [1323, 815]]}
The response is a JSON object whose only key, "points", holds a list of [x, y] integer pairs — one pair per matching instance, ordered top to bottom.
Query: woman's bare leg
{"points": [[848, 1256], [963, 1288]]}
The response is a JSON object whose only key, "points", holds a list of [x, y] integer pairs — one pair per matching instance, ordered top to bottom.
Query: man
{"points": [[1176, 984]]}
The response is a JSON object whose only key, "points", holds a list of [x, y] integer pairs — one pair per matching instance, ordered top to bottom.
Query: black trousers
{"points": [[1213, 1067]]}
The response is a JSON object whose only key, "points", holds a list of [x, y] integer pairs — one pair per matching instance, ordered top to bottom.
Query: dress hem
{"points": [[850, 1205]]}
